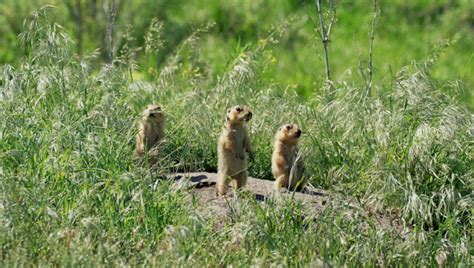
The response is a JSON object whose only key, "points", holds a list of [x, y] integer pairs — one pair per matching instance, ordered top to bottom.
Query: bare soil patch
{"points": [[203, 192]]}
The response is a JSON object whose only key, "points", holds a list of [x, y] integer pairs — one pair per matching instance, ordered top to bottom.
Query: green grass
{"points": [[406, 31], [71, 193]]}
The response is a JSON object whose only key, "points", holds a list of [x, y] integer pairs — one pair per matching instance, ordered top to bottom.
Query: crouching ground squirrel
{"points": [[150, 134], [233, 147], [287, 163]]}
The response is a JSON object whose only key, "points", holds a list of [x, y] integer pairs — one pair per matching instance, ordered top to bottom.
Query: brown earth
{"points": [[203, 192]]}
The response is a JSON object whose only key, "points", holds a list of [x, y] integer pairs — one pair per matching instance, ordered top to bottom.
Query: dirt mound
{"points": [[203, 192]]}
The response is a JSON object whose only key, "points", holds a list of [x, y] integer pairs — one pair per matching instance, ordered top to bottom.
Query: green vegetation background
{"points": [[406, 31], [71, 193]]}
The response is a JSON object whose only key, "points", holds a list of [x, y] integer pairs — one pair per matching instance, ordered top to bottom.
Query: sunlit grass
{"points": [[71, 193]]}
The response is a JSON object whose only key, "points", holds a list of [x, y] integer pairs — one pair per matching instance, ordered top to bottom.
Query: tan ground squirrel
{"points": [[151, 133], [233, 147], [287, 163]]}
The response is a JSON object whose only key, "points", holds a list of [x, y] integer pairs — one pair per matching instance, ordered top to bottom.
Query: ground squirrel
{"points": [[151, 133], [234, 144], [287, 163]]}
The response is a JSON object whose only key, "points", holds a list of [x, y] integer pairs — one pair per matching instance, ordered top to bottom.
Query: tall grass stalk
{"points": [[325, 33], [371, 47]]}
